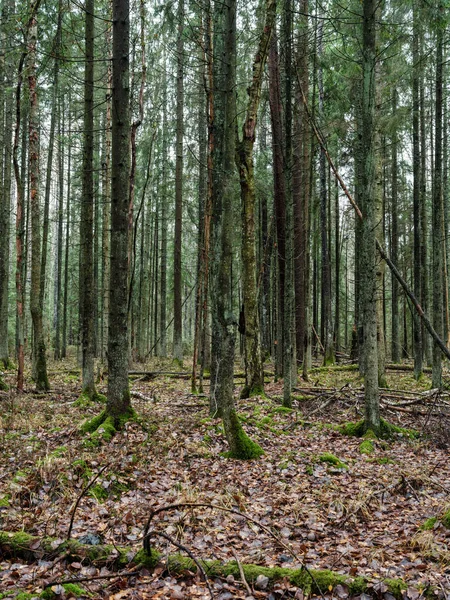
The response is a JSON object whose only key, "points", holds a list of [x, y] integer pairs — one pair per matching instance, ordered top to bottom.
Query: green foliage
{"points": [[5, 501]]}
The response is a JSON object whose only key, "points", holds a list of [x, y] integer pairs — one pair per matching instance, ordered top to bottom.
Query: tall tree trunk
{"points": [[301, 186], [368, 191], [279, 194], [5, 200], [60, 213], [394, 240], [438, 242], [67, 245], [86, 275], [177, 277], [326, 320], [224, 321], [162, 350], [418, 352], [39, 354], [254, 375], [118, 404]]}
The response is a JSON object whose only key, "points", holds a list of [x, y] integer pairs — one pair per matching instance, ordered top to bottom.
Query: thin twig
{"points": [[83, 492], [189, 553], [241, 572], [94, 578]]}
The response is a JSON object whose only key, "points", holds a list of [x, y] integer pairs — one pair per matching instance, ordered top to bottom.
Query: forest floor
{"points": [[363, 516]]}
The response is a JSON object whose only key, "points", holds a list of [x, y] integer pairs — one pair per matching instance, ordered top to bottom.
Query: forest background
{"points": [[220, 187]]}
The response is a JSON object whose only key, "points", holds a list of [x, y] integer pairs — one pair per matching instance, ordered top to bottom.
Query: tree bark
{"points": [[87, 213], [177, 276], [39, 354], [254, 380], [118, 404]]}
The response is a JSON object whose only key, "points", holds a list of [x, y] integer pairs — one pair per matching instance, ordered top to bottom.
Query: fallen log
{"points": [[31, 548]]}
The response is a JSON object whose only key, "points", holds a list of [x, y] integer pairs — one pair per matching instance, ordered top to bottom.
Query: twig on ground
{"points": [[83, 492], [191, 556], [241, 572]]}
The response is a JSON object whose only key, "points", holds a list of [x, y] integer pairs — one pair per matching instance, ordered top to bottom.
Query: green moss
{"points": [[3, 386], [283, 410], [93, 424], [387, 430], [242, 447], [366, 447], [59, 452], [331, 459], [383, 460], [309, 470], [98, 492], [5, 501], [446, 519], [428, 524], [147, 560], [396, 587], [69, 588], [24, 596]]}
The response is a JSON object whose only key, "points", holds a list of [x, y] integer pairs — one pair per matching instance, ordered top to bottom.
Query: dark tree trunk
{"points": [[86, 275], [177, 277], [118, 405]]}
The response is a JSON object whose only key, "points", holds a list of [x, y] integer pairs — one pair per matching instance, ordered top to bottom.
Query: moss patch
{"points": [[387, 430], [241, 446], [366, 447], [333, 460], [446, 519], [428, 524]]}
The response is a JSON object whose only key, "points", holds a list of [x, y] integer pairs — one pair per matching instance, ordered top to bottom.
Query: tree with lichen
{"points": [[223, 319], [254, 372]]}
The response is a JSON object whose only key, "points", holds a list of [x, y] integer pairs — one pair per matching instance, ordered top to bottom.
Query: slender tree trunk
{"points": [[368, 191], [279, 194], [5, 201], [60, 232], [394, 241], [438, 241], [67, 245], [86, 275], [177, 277], [326, 320], [224, 322], [162, 350], [418, 351], [39, 354], [254, 375], [118, 404]]}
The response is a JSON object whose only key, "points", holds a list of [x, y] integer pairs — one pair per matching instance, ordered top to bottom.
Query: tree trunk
{"points": [[279, 195], [368, 206], [437, 217], [394, 241], [86, 275], [177, 277], [58, 282], [224, 321], [417, 339], [39, 354], [254, 377], [118, 404]]}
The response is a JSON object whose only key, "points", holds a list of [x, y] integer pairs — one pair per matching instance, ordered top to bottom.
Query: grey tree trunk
{"points": [[417, 174], [437, 217], [394, 241], [368, 262], [177, 276], [39, 353], [118, 404]]}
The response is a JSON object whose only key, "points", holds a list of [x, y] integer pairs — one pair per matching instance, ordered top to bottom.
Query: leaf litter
{"points": [[362, 520]]}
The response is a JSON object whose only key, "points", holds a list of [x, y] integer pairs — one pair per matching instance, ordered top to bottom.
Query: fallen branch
{"points": [[83, 492]]}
